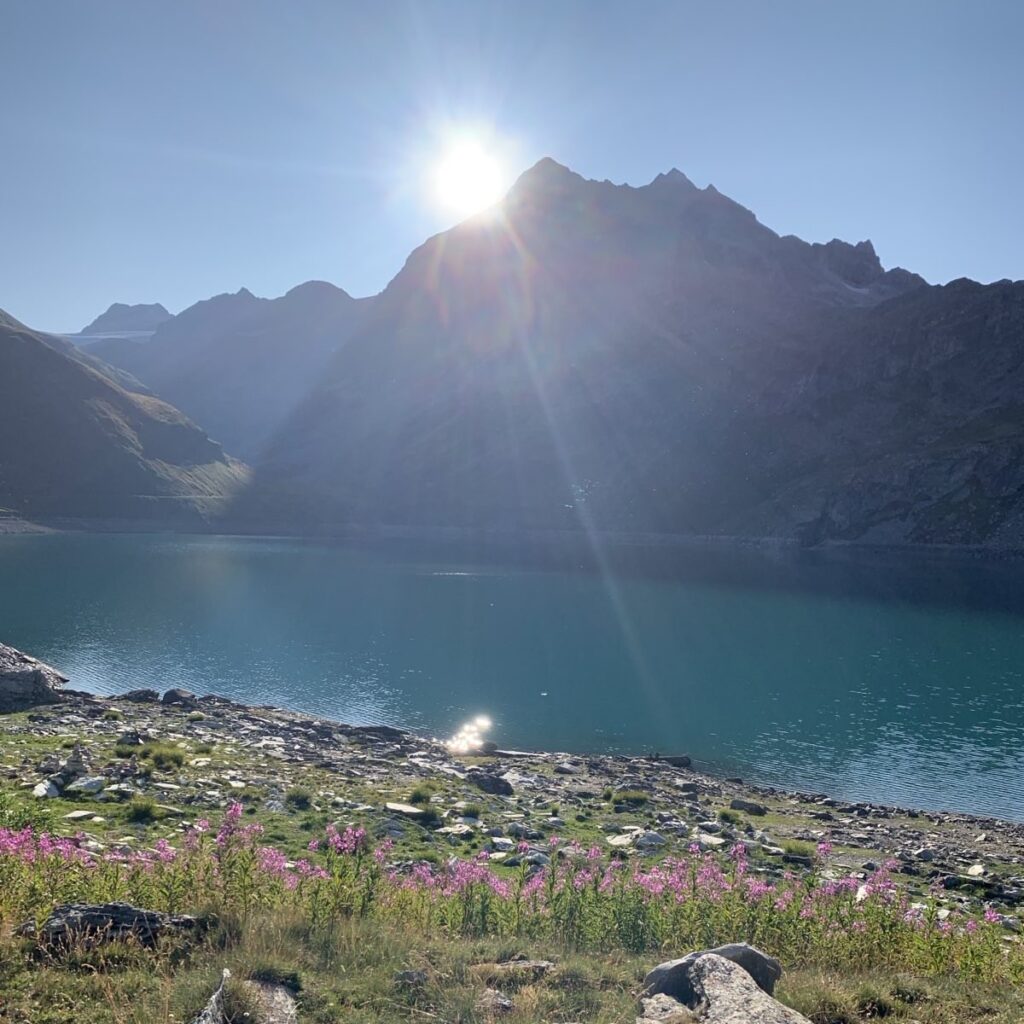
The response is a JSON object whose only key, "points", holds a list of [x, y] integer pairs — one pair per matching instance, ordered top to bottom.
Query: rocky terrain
{"points": [[87, 757]]}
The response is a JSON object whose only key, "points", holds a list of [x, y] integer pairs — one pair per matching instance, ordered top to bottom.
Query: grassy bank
{"points": [[339, 925]]}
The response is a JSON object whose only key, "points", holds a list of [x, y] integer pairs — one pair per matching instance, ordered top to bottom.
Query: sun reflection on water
{"points": [[470, 736]]}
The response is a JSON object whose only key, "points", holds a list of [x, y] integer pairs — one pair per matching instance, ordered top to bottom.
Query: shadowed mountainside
{"points": [[655, 360], [239, 364], [76, 443]]}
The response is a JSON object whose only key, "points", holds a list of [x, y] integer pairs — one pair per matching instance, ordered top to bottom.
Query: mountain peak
{"points": [[546, 174], [674, 178], [121, 317]]}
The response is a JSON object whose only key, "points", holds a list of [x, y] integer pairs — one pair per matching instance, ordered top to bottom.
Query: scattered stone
{"points": [[45, 790]]}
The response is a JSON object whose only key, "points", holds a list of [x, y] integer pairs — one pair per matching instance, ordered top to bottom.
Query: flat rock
{"points": [[409, 810], [104, 922]]}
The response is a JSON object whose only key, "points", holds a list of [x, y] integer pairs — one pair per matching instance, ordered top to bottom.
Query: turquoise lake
{"points": [[899, 681]]}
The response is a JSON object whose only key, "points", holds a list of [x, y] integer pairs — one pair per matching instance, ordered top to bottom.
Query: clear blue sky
{"points": [[167, 151]]}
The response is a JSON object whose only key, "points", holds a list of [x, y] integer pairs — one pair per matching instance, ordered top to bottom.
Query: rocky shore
{"points": [[84, 756]]}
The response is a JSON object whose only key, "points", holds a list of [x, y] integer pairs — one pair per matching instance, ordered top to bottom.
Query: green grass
{"points": [[730, 817], [798, 848], [347, 973]]}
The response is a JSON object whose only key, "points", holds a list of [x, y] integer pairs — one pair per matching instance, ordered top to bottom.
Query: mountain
{"points": [[142, 318], [656, 360], [239, 364], [76, 443]]}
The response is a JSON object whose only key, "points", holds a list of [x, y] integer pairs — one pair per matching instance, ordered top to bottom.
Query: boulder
{"points": [[26, 682], [142, 696], [185, 698], [489, 782], [748, 807], [95, 923], [674, 976], [722, 992]]}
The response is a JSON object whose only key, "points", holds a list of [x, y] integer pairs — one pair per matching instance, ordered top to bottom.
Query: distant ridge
{"points": [[121, 318], [77, 443]]}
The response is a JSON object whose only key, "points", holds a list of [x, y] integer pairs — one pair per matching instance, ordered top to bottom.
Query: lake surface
{"points": [[899, 683]]}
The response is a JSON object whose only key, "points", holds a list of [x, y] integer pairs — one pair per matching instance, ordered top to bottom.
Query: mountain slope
{"points": [[656, 360], [239, 364], [75, 443]]}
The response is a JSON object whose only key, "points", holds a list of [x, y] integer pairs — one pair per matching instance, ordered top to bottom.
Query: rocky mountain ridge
{"points": [[599, 358]]}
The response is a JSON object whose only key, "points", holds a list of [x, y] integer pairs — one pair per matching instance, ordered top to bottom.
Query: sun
{"points": [[467, 178]]}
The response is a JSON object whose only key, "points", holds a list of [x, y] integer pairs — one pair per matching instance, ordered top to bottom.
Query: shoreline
{"points": [[487, 538], [631, 806]]}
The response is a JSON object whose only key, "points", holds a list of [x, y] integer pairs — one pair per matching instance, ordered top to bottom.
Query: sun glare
{"points": [[467, 179]]}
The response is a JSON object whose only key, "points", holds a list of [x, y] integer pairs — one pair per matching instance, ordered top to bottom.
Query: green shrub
{"points": [[112, 715], [421, 794], [634, 797], [298, 799], [141, 810], [729, 816]]}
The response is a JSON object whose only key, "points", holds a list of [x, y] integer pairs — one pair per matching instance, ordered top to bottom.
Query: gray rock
{"points": [[26, 682], [142, 696], [183, 697], [489, 782], [91, 784], [748, 807], [96, 923], [674, 976], [722, 992], [492, 1002], [274, 1004], [663, 1009], [213, 1012]]}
